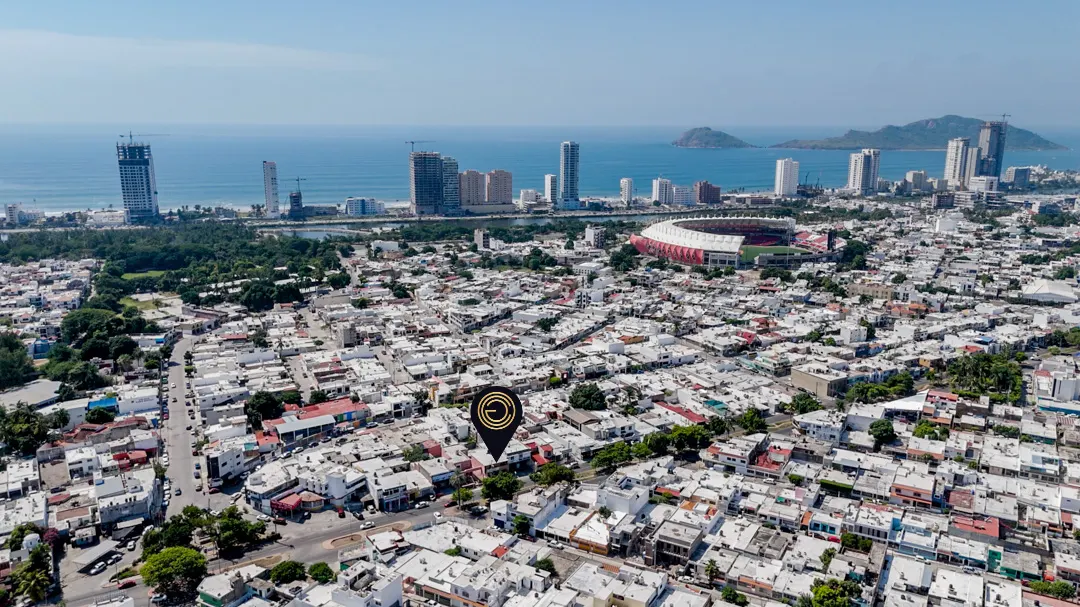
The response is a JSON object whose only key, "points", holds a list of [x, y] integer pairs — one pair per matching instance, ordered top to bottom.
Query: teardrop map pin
{"points": [[496, 414]]}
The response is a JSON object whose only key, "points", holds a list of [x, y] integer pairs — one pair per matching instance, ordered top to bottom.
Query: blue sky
{"points": [[556, 62]]}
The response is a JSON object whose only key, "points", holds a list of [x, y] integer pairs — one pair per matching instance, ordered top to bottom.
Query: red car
{"points": [[214, 490], [125, 584]]}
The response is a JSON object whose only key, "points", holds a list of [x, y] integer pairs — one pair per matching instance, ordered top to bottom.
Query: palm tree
{"points": [[712, 570], [33, 584]]}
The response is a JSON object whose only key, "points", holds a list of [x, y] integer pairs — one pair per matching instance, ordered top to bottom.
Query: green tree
{"points": [[339, 280], [546, 324], [15, 365], [318, 396], [588, 397], [804, 403], [260, 406], [99, 415], [58, 419], [752, 421], [23, 429], [883, 432], [689, 438], [658, 442], [641, 451], [413, 453], [611, 456], [552, 473], [501, 486], [462, 496], [604, 512], [522, 525], [19, 533], [827, 557], [546, 564], [712, 570], [175, 571], [287, 571], [321, 573], [31, 583], [1059, 589], [834, 593], [730, 595]]}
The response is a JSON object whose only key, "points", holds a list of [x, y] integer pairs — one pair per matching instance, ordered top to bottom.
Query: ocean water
{"points": [[68, 168]]}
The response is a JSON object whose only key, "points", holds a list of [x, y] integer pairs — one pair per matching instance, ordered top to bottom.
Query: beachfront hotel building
{"points": [[956, 156], [569, 163], [863, 171], [787, 177], [138, 186], [472, 187], [499, 187], [551, 188], [270, 189], [626, 190], [663, 191]]}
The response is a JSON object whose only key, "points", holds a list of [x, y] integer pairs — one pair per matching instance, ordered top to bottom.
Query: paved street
{"points": [[300, 541]]}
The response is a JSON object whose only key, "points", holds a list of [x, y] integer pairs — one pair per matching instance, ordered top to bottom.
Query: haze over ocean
{"points": [[71, 168]]}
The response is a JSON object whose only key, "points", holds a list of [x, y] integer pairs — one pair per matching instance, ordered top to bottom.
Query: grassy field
{"points": [[750, 252], [134, 275], [142, 305]]}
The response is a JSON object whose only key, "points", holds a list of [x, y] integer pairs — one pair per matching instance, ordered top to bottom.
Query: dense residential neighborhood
{"points": [[889, 422]]}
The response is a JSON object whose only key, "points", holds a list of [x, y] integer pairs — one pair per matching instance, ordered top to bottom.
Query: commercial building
{"points": [[991, 148], [569, 164], [863, 171], [787, 177], [1018, 177], [426, 183], [983, 183], [138, 185], [499, 187], [270, 188], [472, 188], [626, 190], [663, 191], [706, 193], [451, 194], [529, 196], [363, 206]]}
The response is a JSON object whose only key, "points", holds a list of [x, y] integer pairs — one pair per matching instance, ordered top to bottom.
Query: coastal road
{"points": [[300, 542]]}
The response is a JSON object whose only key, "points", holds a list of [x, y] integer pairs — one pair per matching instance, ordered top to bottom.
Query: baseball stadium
{"points": [[732, 241]]}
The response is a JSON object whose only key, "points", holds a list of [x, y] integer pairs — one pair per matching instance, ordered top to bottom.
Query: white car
{"points": [[173, 386], [438, 515], [264, 518], [367, 525], [97, 568]]}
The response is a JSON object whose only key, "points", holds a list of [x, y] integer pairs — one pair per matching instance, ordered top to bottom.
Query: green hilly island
{"points": [[929, 134], [704, 137]]}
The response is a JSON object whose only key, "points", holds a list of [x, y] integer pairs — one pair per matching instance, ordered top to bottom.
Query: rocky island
{"points": [[928, 134], [704, 137]]}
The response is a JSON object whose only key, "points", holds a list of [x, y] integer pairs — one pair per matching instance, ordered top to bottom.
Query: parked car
{"points": [[198, 466], [197, 474], [214, 490], [422, 505], [341, 514], [438, 515], [264, 518], [280, 521], [367, 525], [132, 545], [115, 558], [97, 568], [128, 583], [158, 599]]}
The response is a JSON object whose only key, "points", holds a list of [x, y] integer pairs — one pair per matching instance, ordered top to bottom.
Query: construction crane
{"points": [[131, 136], [412, 144], [298, 180]]}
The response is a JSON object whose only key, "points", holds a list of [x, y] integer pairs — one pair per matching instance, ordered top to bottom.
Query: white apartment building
{"points": [[956, 157], [863, 169], [787, 177], [983, 183], [270, 188], [551, 188], [626, 190], [662, 191], [682, 195], [529, 197], [363, 206]]}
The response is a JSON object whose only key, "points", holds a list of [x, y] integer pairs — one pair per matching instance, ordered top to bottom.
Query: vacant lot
{"points": [[149, 273]]}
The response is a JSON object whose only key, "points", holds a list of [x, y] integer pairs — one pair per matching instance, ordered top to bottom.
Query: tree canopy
{"points": [[588, 397], [501, 486], [175, 571]]}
